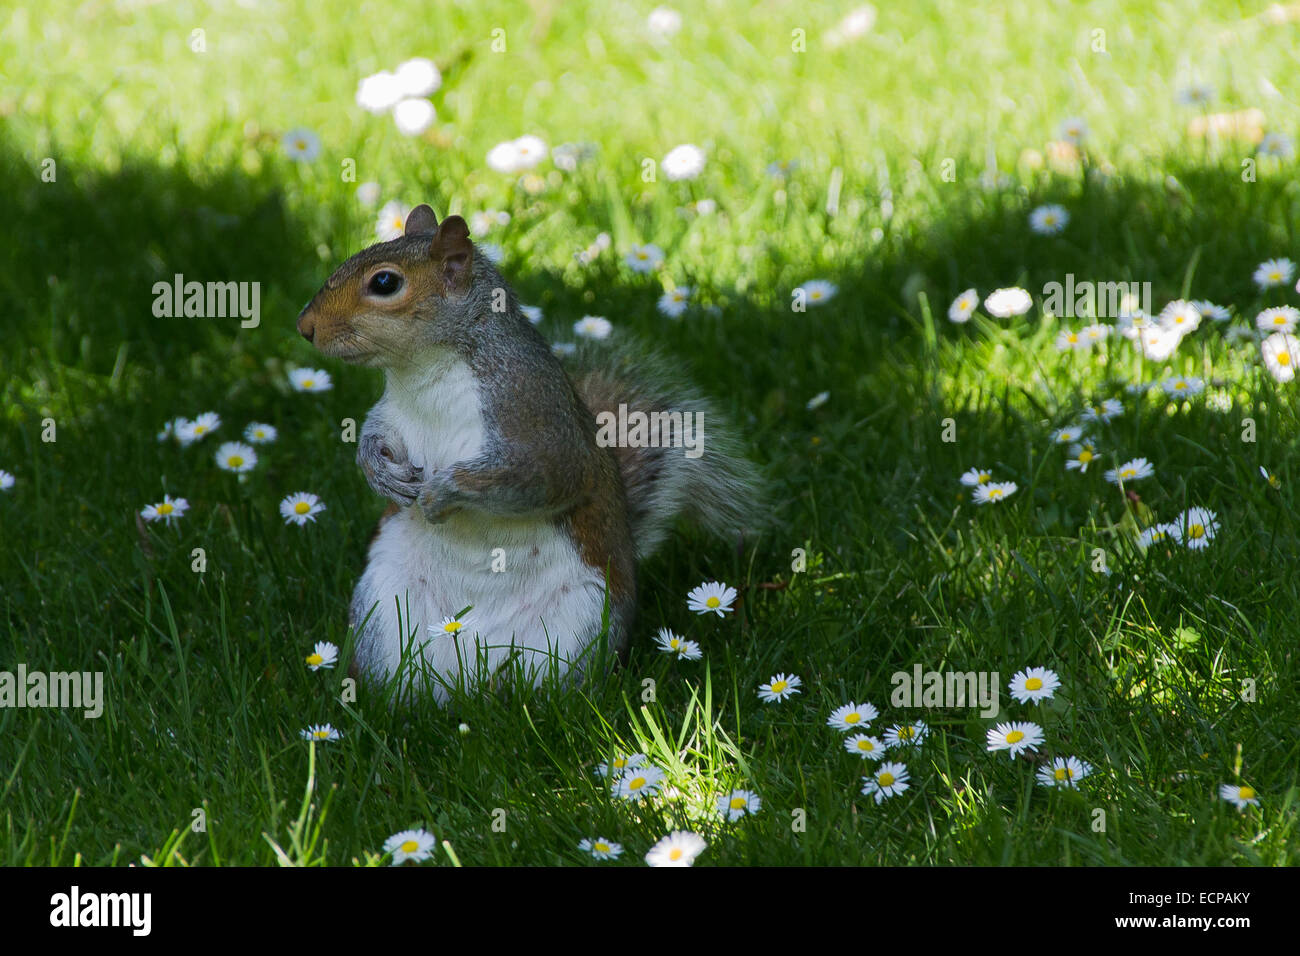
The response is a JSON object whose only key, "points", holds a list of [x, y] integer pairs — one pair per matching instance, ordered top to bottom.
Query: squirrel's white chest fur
{"points": [[531, 595]]}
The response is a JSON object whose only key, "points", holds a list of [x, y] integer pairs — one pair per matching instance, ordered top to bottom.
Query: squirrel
{"points": [[506, 497]]}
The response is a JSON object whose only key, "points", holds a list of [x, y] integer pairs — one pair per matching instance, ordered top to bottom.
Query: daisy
{"points": [[664, 21], [418, 77], [379, 92], [1195, 94], [413, 116], [1073, 130], [301, 145], [1276, 146], [516, 155], [567, 156], [683, 162], [782, 168], [368, 193], [1049, 220], [391, 223], [492, 252], [645, 258], [1274, 272], [817, 291], [674, 302], [1004, 303], [963, 306], [1209, 310], [533, 313], [1180, 316], [1281, 319], [1131, 323], [592, 327], [1097, 332], [1069, 339], [1157, 343], [563, 349], [1281, 352], [310, 380], [1182, 385], [817, 401], [1109, 409], [172, 429], [188, 432], [260, 434], [1067, 435], [236, 456], [1081, 456], [1133, 470], [976, 476], [7, 480], [1273, 480], [994, 491], [300, 508], [167, 511], [1197, 527], [1157, 533], [712, 596], [447, 627], [670, 643], [324, 654], [1034, 684], [779, 688], [852, 716], [321, 732], [906, 735], [1015, 737], [868, 748], [619, 764], [1064, 772], [889, 781], [638, 783], [1241, 796], [739, 803], [415, 845], [679, 848], [601, 849]]}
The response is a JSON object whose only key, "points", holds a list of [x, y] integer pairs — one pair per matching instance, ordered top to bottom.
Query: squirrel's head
{"points": [[385, 302]]}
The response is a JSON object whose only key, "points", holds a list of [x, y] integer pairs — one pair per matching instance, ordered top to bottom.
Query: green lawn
{"points": [[1178, 666]]}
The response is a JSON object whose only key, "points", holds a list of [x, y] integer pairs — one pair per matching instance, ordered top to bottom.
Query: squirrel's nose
{"points": [[307, 324]]}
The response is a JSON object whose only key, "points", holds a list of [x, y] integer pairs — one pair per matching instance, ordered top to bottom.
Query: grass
{"points": [[169, 161]]}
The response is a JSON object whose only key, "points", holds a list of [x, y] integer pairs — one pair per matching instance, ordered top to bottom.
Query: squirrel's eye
{"points": [[385, 283]]}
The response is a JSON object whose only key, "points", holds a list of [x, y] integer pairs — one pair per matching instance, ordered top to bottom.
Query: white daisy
{"points": [[664, 22], [418, 77], [379, 92], [1195, 94], [413, 116], [1073, 130], [301, 145], [1275, 146], [516, 155], [683, 162], [368, 193], [1049, 220], [391, 223], [493, 252], [645, 258], [1274, 272], [817, 291], [674, 302], [1004, 303], [963, 306], [1208, 310], [533, 313], [1180, 316], [1281, 319], [592, 327], [1097, 332], [1068, 340], [1157, 343], [563, 349], [1281, 352], [310, 380], [1180, 386], [817, 401], [1109, 409], [188, 432], [260, 434], [1067, 435], [236, 456], [1081, 456], [1132, 470], [976, 476], [6, 480], [1273, 480], [994, 491], [301, 507], [167, 511], [1197, 527], [1157, 533], [711, 596], [447, 627], [671, 643], [324, 654], [1034, 684], [780, 687], [852, 716], [321, 732], [907, 735], [1015, 737], [868, 748], [620, 764], [1064, 772], [888, 781], [638, 783], [1241, 796], [738, 803], [414, 845], [679, 848], [601, 849]]}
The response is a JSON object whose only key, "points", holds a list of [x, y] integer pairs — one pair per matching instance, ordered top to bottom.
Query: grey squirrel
{"points": [[503, 498]]}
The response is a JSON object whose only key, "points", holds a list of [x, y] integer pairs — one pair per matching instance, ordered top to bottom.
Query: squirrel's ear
{"points": [[421, 219], [452, 245]]}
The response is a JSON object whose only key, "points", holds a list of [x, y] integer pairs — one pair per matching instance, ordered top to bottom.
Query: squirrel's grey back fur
{"points": [[720, 490]]}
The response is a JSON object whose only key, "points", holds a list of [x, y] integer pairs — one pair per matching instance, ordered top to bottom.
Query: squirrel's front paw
{"points": [[388, 470], [438, 499]]}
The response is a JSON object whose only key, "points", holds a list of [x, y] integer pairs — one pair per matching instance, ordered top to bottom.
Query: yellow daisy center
{"points": [[1275, 276], [1283, 358], [308, 382], [1180, 385], [200, 429], [1086, 456], [234, 461], [1128, 472], [984, 476], [995, 492], [166, 508], [301, 508], [1196, 531], [1157, 536], [712, 602], [451, 627], [673, 643], [315, 660], [1033, 683], [779, 685], [852, 718], [906, 733], [320, 734], [1015, 737], [866, 745], [620, 763], [1059, 773], [885, 779], [636, 783], [1246, 793], [737, 803], [410, 846], [601, 847], [675, 853]]}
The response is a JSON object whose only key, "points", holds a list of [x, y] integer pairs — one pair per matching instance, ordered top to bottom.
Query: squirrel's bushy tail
{"points": [[719, 489]]}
